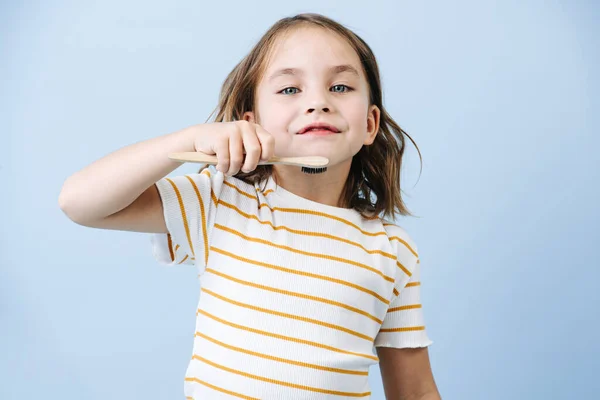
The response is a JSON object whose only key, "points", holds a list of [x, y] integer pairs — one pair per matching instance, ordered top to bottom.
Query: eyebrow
{"points": [[338, 69]]}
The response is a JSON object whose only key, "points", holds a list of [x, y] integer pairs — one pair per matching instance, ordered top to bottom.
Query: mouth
{"points": [[318, 128]]}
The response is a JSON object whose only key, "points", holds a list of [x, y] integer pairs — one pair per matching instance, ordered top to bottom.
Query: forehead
{"points": [[311, 49]]}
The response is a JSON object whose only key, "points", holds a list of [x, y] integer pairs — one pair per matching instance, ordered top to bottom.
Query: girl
{"points": [[304, 284]]}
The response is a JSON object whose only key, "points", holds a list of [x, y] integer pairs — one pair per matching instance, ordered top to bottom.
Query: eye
{"points": [[340, 88], [289, 90]]}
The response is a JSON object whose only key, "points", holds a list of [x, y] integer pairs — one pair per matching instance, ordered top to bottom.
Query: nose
{"points": [[318, 103], [312, 110]]}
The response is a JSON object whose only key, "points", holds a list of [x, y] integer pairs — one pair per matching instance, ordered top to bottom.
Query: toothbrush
{"points": [[199, 157]]}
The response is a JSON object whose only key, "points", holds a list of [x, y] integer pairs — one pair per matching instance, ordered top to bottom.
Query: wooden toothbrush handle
{"points": [[199, 157]]}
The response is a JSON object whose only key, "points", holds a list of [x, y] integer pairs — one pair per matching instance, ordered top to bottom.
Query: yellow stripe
{"points": [[240, 191], [212, 194], [183, 214], [321, 214], [203, 216], [367, 217], [370, 218], [306, 233], [401, 240], [404, 243], [170, 245], [306, 253], [184, 258], [291, 271], [407, 272], [410, 284], [295, 294], [402, 308], [290, 316], [407, 329], [286, 338], [279, 359], [282, 383], [241, 396]]}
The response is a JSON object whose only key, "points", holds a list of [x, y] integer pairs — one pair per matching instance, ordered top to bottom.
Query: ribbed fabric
{"points": [[295, 295]]}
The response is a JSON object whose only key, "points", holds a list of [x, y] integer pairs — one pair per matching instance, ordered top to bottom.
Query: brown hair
{"points": [[373, 184]]}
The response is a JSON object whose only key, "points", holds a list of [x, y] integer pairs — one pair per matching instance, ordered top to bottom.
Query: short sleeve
{"points": [[189, 206], [404, 324]]}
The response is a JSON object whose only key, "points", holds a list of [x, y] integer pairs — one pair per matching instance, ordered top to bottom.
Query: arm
{"points": [[118, 192], [406, 374]]}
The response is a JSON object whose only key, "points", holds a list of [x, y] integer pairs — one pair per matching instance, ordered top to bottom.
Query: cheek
{"points": [[355, 107], [358, 116], [274, 117], [274, 123]]}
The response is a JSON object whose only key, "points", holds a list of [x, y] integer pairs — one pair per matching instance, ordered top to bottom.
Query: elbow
{"points": [[68, 205], [78, 208]]}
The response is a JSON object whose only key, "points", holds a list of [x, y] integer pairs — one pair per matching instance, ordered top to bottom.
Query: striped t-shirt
{"points": [[295, 295]]}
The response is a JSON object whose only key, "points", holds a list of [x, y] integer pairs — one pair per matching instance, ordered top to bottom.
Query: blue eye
{"points": [[340, 88], [289, 90]]}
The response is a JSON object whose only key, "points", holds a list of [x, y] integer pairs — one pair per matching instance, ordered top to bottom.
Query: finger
{"points": [[267, 143], [251, 146], [221, 149], [236, 153]]}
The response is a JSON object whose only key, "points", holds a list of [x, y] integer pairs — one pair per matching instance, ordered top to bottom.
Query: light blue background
{"points": [[501, 97]]}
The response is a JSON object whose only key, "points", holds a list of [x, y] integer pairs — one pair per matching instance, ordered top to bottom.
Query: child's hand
{"points": [[230, 141]]}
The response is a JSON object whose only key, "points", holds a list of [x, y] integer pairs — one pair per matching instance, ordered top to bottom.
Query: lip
{"points": [[321, 128]]}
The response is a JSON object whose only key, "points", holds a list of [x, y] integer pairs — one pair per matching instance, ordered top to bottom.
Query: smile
{"points": [[319, 129], [318, 132]]}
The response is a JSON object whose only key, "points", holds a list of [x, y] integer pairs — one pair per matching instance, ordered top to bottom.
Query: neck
{"points": [[325, 188]]}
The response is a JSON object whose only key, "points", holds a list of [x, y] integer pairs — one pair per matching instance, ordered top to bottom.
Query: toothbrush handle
{"points": [[199, 157]]}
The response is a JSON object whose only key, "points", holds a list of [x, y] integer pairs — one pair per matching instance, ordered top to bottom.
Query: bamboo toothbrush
{"points": [[199, 157]]}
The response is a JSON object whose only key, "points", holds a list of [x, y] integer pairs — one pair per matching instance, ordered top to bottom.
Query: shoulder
{"points": [[204, 178], [219, 182], [398, 236]]}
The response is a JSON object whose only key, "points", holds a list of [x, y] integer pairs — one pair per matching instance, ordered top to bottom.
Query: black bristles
{"points": [[309, 170]]}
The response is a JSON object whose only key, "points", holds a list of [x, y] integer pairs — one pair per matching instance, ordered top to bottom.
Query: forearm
{"points": [[113, 182]]}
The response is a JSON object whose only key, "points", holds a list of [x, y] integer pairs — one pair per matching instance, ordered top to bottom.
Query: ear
{"points": [[249, 116], [372, 124]]}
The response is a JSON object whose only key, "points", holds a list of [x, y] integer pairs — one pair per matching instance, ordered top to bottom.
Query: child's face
{"points": [[315, 76]]}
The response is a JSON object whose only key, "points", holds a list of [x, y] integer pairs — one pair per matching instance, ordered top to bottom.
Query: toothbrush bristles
{"points": [[310, 170]]}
